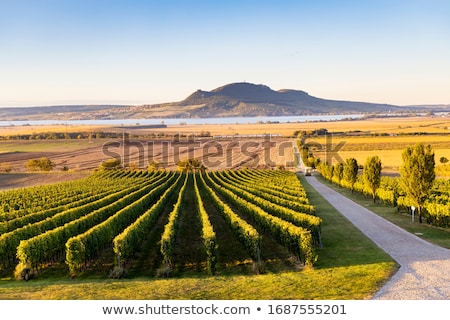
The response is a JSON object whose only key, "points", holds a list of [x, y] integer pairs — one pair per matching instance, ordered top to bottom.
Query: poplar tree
{"points": [[351, 171], [338, 173], [372, 174], [417, 174]]}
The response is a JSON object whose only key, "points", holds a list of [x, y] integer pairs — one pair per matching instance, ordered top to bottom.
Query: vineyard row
{"points": [[127, 205]]}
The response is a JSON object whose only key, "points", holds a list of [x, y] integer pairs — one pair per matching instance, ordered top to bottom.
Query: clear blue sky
{"points": [[128, 51]]}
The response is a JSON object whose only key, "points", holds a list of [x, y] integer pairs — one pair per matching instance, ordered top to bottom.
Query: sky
{"points": [[56, 52]]}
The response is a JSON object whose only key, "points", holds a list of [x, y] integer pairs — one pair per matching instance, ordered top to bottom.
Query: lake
{"points": [[231, 120]]}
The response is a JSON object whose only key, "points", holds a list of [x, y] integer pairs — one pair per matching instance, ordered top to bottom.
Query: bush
{"points": [[42, 164], [110, 164], [190, 165], [5, 167], [23, 272]]}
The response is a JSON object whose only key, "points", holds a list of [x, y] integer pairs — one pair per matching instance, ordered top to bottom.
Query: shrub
{"points": [[42, 164], [110, 164], [5, 167], [23, 272]]}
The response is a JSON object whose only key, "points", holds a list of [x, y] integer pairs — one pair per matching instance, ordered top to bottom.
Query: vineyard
{"points": [[160, 223]]}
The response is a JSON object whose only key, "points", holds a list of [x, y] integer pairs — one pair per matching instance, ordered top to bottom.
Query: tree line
{"points": [[98, 135], [417, 175]]}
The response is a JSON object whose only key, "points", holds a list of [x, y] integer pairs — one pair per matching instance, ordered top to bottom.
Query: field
{"points": [[390, 125], [242, 147], [388, 148], [87, 155], [267, 266], [341, 271]]}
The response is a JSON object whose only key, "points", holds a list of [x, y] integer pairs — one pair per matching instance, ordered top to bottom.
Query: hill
{"points": [[246, 99], [232, 100]]}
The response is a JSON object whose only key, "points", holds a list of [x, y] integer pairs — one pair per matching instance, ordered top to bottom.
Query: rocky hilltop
{"points": [[247, 99]]}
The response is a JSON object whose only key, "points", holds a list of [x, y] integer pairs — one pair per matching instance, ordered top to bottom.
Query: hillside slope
{"points": [[247, 99]]}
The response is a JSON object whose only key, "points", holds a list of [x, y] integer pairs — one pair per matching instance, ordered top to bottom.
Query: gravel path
{"points": [[425, 268]]}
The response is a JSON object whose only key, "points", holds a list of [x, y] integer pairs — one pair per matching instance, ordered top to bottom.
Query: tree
{"points": [[307, 158], [42, 164], [110, 164], [32, 165], [154, 165], [190, 165], [326, 170], [351, 171], [338, 173], [372, 174], [417, 174]]}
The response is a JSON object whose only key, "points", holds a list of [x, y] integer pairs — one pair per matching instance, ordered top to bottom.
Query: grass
{"points": [[13, 146], [30, 179], [436, 235], [350, 267], [349, 283]]}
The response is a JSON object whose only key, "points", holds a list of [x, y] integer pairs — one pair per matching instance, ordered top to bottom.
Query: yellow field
{"points": [[382, 125], [13, 130], [366, 143], [388, 148], [391, 159]]}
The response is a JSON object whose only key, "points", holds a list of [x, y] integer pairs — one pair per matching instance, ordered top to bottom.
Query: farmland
{"points": [[360, 138], [388, 148], [86, 155], [83, 218], [220, 239], [234, 276]]}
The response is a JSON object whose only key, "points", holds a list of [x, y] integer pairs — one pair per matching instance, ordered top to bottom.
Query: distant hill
{"points": [[247, 99], [232, 100], [62, 112]]}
